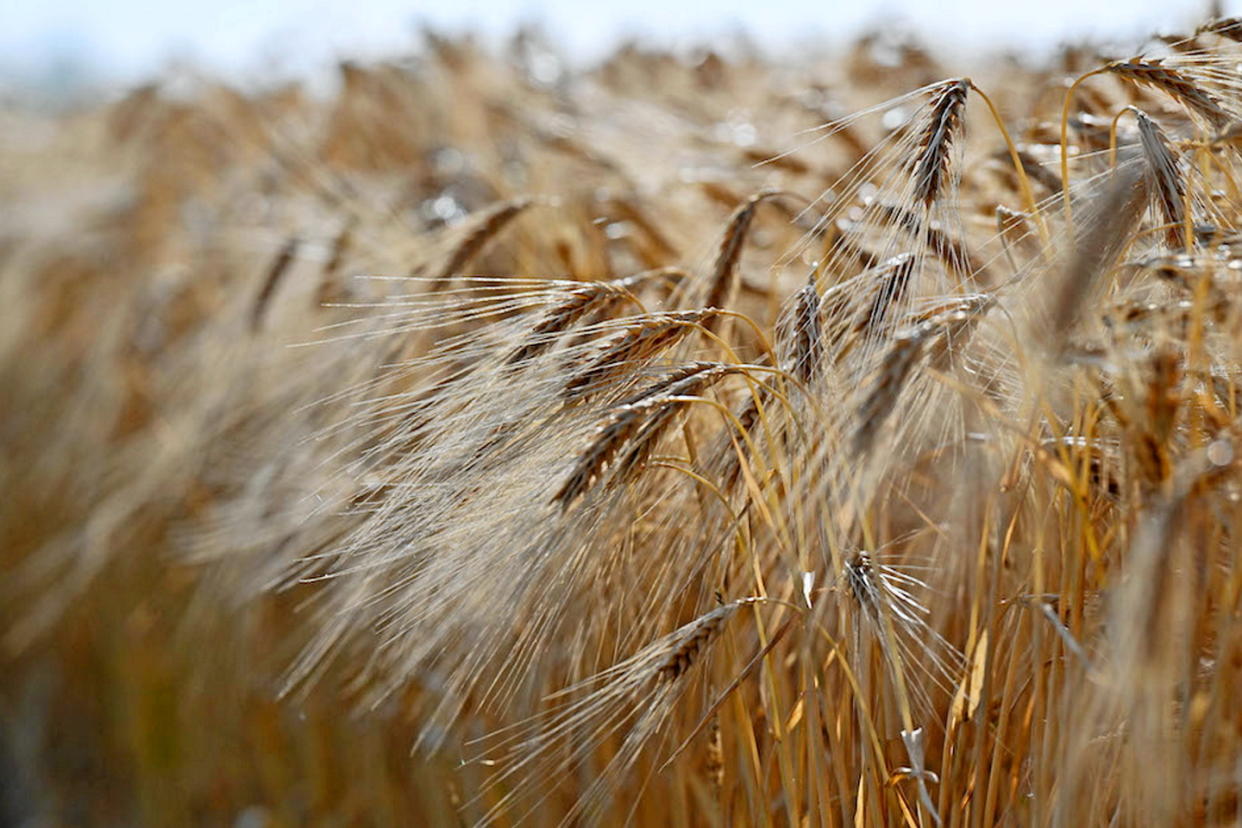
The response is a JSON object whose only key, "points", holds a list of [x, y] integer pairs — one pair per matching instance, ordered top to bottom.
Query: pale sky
{"points": [[129, 38]]}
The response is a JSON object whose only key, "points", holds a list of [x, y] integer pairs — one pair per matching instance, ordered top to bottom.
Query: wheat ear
{"points": [[1175, 84], [930, 167], [1165, 177], [486, 225]]}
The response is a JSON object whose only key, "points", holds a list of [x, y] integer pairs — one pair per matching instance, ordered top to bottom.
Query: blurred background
{"points": [[63, 47]]}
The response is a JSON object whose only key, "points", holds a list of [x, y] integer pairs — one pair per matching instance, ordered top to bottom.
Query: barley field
{"points": [[692, 439]]}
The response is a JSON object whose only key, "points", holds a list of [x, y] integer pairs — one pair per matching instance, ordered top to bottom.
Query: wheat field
{"points": [[692, 439]]}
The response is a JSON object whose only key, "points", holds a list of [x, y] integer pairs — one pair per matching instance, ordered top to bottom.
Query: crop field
{"points": [[706, 438]]}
